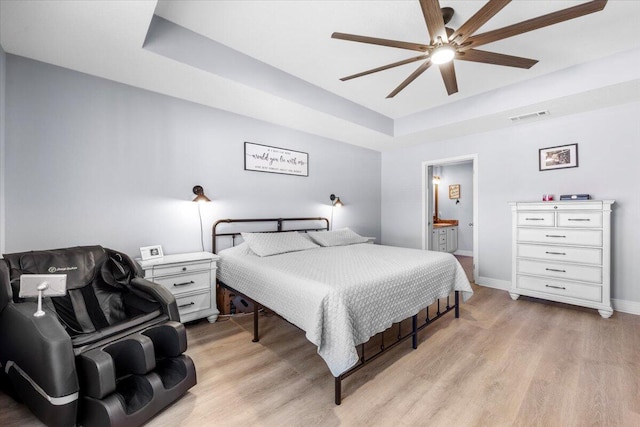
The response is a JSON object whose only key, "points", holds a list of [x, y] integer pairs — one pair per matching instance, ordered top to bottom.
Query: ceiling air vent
{"points": [[529, 115]]}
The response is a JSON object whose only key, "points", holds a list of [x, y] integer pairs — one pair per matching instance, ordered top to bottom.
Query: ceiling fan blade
{"points": [[487, 12], [433, 19], [535, 23], [381, 42], [475, 55], [385, 67], [421, 69], [448, 72]]}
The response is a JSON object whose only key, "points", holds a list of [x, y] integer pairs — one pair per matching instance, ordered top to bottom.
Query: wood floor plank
{"points": [[502, 363]]}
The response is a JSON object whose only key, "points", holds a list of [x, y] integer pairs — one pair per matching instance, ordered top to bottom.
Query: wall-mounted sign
{"points": [[264, 158], [454, 191]]}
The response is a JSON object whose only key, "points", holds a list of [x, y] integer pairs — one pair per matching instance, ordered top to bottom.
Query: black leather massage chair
{"points": [[109, 353]]}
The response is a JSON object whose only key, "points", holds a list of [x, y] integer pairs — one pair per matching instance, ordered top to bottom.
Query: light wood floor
{"points": [[503, 363]]}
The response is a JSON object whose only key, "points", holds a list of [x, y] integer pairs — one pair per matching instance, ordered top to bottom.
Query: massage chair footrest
{"points": [[136, 354], [139, 397]]}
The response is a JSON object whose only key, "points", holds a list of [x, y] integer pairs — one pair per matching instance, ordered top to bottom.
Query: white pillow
{"points": [[341, 237], [265, 244]]}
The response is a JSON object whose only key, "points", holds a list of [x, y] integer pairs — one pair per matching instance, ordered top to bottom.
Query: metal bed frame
{"points": [[363, 359]]}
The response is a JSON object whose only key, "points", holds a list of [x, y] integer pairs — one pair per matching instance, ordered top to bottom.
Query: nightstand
{"points": [[191, 278]]}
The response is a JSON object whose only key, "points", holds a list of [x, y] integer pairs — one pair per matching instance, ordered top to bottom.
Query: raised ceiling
{"points": [[292, 39]]}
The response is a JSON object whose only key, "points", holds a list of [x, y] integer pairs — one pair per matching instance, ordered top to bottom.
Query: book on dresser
{"points": [[561, 251]]}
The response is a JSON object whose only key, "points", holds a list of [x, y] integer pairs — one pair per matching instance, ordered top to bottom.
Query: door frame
{"points": [[426, 196]]}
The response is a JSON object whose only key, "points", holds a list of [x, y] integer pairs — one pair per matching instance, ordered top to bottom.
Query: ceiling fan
{"points": [[446, 44]]}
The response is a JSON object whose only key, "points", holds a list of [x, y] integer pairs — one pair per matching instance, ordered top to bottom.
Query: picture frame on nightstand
{"points": [[151, 252]]}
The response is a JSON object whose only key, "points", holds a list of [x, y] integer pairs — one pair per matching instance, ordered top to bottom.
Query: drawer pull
{"points": [[534, 219], [578, 219], [554, 235], [555, 253], [184, 268], [556, 270], [190, 282], [555, 287], [186, 305]]}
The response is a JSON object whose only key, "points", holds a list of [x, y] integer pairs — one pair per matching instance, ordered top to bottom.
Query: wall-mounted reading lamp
{"points": [[199, 192], [200, 198], [335, 201]]}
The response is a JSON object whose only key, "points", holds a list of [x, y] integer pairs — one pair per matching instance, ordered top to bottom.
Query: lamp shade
{"points": [[199, 192], [336, 201]]}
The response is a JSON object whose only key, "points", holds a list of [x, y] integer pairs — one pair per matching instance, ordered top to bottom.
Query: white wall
{"points": [[90, 161], [508, 171]]}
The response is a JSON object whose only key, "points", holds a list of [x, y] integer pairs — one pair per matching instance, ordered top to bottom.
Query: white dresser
{"points": [[561, 252], [191, 278]]}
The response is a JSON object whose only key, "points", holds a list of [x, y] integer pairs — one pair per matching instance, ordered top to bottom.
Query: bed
{"points": [[336, 286]]}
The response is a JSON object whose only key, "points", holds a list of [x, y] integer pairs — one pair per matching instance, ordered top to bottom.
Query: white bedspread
{"points": [[341, 296]]}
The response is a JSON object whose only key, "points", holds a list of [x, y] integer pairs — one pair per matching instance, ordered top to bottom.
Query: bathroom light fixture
{"points": [[436, 179], [199, 192], [335, 201]]}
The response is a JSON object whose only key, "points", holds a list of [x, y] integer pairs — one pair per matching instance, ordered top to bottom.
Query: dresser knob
{"points": [[184, 268]]}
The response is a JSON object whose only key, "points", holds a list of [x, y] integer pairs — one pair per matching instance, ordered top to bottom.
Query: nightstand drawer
{"points": [[536, 219], [580, 219], [560, 236], [561, 253], [165, 270], [563, 271], [181, 283], [558, 287], [192, 303]]}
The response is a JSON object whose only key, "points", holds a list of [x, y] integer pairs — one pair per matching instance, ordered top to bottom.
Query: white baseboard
{"points": [[463, 253], [494, 283], [623, 306]]}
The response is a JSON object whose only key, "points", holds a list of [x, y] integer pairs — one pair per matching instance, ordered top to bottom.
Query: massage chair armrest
{"points": [[160, 294], [40, 347]]}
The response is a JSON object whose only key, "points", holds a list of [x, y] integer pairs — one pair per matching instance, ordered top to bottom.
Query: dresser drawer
{"points": [[539, 219], [580, 219], [560, 236], [442, 239], [561, 253], [167, 269], [582, 273], [181, 283], [558, 287], [192, 303]]}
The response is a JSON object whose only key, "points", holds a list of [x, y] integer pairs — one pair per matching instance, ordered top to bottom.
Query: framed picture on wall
{"points": [[560, 157], [264, 158], [454, 191]]}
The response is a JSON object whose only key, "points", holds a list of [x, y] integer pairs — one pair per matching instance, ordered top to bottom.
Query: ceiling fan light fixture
{"points": [[443, 54]]}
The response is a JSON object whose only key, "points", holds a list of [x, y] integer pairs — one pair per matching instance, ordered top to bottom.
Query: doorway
{"points": [[454, 200]]}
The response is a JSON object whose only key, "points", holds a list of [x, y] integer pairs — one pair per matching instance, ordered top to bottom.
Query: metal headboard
{"points": [[265, 222]]}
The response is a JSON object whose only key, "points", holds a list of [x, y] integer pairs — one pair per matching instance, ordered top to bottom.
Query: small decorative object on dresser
{"points": [[151, 252], [561, 252], [191, 278]]}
